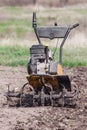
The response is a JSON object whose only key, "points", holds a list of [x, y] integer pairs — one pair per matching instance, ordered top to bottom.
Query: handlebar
{"points": [[74, 26], [52, 32], [61, 46]]}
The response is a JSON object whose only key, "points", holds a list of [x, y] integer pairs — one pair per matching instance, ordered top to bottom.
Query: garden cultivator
{"points": [[46, 83]]}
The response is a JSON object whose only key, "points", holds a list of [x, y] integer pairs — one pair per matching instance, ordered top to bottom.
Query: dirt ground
{"points": [[42, 118]]}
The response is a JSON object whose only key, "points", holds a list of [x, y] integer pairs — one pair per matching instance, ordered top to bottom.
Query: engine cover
{"points": [[38, 58]]}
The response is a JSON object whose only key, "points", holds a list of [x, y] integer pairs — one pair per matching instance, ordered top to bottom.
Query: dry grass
{"points": [[39, 2], [16, 24]]}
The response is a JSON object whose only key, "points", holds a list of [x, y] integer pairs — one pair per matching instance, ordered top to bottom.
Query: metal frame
{"points": [[66, 31]]}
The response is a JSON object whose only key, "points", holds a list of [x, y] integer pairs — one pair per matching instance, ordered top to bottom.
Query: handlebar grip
{"points": [[34, 22], [75, 25]]}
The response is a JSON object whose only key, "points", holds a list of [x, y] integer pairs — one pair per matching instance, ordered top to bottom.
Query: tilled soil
{"points": [[42, 118]]}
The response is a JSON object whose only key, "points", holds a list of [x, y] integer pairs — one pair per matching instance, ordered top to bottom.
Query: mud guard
{"points": [[56, 81], [65, 81]]}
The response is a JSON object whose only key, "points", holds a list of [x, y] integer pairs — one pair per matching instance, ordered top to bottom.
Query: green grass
{"points": [[15, 26], [13, 55], [18, 56], [74, 57]]}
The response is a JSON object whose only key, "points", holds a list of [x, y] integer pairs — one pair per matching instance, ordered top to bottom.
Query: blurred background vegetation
{"points": [[40, 2], [17, 35]]}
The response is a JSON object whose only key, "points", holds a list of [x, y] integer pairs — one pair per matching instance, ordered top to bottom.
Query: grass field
{"points": [[16, 32], [15, 56]]}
